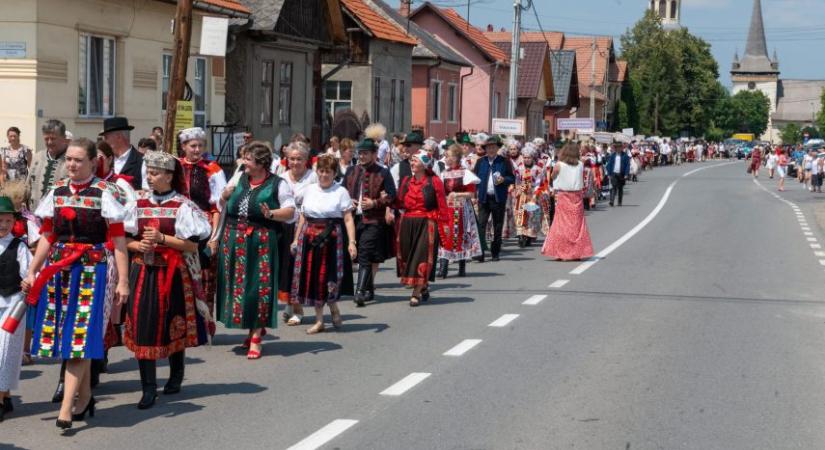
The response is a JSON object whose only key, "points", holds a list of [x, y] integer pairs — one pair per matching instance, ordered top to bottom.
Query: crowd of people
{"points": [[103, 243]]}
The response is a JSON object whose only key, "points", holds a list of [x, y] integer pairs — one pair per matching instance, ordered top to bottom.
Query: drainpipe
{"points": [[430, 68], [492, 97], [461, 98]]}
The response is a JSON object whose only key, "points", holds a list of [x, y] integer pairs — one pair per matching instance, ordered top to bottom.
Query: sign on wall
{"points": [[213, 36], [11, 49], [185, 116], [575, 124], [509, 127]]}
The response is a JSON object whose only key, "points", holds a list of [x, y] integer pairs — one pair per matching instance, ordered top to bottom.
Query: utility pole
{"points": [[515, 53], [177, 79], [593, 83]]}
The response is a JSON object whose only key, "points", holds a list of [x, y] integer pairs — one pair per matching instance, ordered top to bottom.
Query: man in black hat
{"points": [[412, 144], [128, 160], [496, 174], [372, 189]]}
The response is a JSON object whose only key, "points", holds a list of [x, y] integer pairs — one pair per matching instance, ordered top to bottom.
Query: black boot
{"points": [[522, 241], [442, 267], [462, 268], [362, 286], [176, 366], [96, 369], [149, 383], [58, 392]]}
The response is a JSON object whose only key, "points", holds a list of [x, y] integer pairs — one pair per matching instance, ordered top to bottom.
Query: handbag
{"points": [[750, 169]]}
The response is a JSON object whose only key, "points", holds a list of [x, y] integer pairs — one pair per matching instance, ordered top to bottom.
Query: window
{"points": [[663, 8], [673, 9], [165, 77], [267, 90], [199, 94], [285, 94], [96, 95], [402, 95], [338, 96], [436, 98], [452, 99], [376, 100], [392, 105]]}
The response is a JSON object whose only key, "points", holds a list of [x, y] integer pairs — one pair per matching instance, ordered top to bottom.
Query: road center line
{"points": [[635, 230], [808, 233], [811, 239], [816, 245], [819, 254], [822, 262], [558, 283], [534, 300], [503, 320], [463, 347], [406, 383], [324, 435]]}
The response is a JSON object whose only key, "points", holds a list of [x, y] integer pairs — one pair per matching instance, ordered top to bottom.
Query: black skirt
{"points": [[417, 250], [287, 265], [323, 269]]}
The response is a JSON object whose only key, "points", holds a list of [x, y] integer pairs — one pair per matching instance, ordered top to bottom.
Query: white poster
{"points": [[213, 36]]}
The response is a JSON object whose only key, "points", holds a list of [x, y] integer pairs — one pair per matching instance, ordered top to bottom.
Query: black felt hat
{"points": [[116, 124]]}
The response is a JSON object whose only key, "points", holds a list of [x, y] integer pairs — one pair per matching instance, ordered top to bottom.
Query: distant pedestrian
{"points": [[16, 157], [772, 159], [756, 161], [618, 168], [782, 168], [817, 174], [496, 175], [569, 238]]}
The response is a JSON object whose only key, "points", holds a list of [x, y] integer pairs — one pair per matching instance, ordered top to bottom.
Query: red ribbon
{"points": [[173, 259], [49, 272]]}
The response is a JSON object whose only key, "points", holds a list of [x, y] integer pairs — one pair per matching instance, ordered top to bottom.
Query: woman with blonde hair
{"points": [[569, 238]]}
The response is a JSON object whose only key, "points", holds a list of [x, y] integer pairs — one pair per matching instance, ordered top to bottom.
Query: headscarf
{"points": [[189, 134]]}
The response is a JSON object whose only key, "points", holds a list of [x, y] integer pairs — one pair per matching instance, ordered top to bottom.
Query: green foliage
{"points": [[672, 79], [749, 112], [623, 115], [820, 119], [812, 132], [791, 134]]}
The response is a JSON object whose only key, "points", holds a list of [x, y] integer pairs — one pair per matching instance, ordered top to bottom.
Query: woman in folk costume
{"points": [[513, 155], [203, 182], [545, 196], [424, 208], [526, 212], [569, 238], [461, 240], [324, 245], [248, 257], [14, 264], [75, 291], [165, 313]]}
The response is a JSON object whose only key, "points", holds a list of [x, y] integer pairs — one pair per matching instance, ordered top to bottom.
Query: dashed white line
{"points": [[806, 228], [808, 233], [811, 239], [816, 245], [819, 254], [822, 262], [558, 283], [534, 300], [503, 320], [463, 347], [405, 384], [324, 435]]}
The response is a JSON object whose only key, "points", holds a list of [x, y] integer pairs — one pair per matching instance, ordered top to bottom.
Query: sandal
{"points": [[414, 301], [295, 320], [317, 328], [249, 339], [254, 354], [27, 359]]}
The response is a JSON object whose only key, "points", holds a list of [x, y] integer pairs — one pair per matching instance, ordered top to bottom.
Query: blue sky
{"points": [[795, 28]]}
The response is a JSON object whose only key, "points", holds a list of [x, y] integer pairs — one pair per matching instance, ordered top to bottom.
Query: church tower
{"points": [[670, 11], [755, 70]]}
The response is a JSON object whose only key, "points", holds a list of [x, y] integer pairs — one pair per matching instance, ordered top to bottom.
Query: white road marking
{"points": [[806, 228], [808, 233], [811, 239], [816, 245], [819, 254], [822, 262], [581, 268], [558, 283], [534, 300], [503, 320], [463, 347], [406, 383], [324, 435]]}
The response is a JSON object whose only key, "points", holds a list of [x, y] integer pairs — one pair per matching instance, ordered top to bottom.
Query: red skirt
{"points": [[568, 239]]}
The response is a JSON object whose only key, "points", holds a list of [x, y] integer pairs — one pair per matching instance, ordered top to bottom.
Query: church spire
{"points": [[755, 60]]}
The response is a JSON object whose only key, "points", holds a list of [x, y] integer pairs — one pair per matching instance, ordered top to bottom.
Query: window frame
{"points": [[87, 36], [393, 83], [288, 85], [267, 86], [402, 96], [435, 97], [376, 99], [452, 103], [331, 104], [200, 112]]}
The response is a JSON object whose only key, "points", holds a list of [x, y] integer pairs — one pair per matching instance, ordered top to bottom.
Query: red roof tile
{"points": [[376, 24], [471, 33], [554, 38], [584, 52], [532, 67], [618, 71]]}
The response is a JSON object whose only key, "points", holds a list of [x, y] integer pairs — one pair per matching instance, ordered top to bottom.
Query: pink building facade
{"points": [[483, 87]]}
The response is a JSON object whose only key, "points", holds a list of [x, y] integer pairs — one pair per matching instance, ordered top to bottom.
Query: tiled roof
{"points": [[232, 5], [376, 24], [471, 33], [554, 38], [428, 45], [584, 52], [563, 64], [531, 68], [618, 71], [794, 100]]}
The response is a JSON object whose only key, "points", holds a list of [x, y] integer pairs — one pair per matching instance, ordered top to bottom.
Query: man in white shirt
{"points": [[665, 151]]}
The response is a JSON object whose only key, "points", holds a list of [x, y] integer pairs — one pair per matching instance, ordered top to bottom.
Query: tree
{"points": [[749, 112], [820, 118], [812, 132], [791, 134]]}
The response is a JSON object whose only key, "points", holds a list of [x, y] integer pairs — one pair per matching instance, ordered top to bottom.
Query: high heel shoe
{"points": [[249, 339], [254, 354], [90, 408], [63, 424]]}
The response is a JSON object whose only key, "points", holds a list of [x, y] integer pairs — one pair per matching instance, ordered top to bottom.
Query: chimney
{"points": [[404, 8], [490, 27]]}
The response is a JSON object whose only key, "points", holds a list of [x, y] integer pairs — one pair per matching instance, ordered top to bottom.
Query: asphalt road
{"points": [[701, 327]]}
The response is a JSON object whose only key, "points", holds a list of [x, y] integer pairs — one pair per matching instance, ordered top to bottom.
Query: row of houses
{"points": [[317, 67]]}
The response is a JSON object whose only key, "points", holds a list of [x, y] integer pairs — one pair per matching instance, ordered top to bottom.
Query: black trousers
{"points": [[616, 187], [491, 206]]}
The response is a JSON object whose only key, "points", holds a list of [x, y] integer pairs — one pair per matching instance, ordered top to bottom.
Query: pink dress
{"points": [[569, 238]]}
